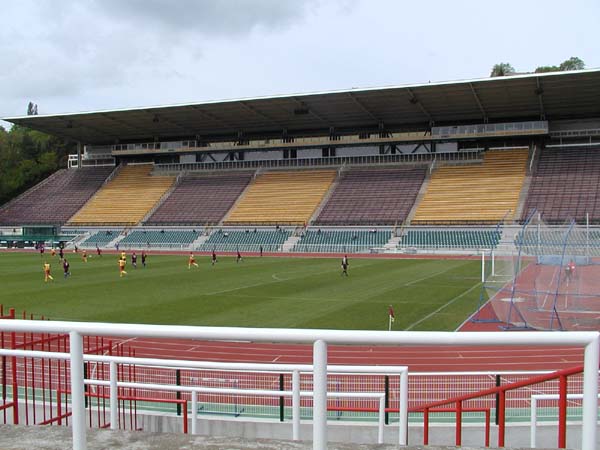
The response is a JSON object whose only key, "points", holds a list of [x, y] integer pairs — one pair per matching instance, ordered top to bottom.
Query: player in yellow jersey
{"points": [[84, 256], [124, 256], [192, 261], [122, 263], [47, 275]]}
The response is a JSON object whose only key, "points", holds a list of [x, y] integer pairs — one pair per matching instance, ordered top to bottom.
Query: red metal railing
{"points": [[561, 375], [124, 398]]}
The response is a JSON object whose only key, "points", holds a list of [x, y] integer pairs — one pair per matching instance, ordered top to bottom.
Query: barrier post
{"points": [[386, 381], [15, 386], [77, 391], [178, 393], [319, 395], [590, 395], [114, 397], [281, 399], [296, 405], [194, 412], [562, 412], [381, 420], [458, 423], [403, 434], [532, 435]]}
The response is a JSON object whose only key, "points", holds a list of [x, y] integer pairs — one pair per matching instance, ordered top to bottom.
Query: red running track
{"points": [[419, 359]]}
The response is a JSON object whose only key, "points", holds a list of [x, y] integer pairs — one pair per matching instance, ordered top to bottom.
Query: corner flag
{"points": [[391, 317]]}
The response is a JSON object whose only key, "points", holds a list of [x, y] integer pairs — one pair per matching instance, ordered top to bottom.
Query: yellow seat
{"points": [[480, 193], [284, 198], [125, 199]]}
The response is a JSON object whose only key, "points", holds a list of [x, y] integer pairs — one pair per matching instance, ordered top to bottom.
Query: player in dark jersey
{"points": [[98, 251], [61, 253], [239, 257], [144, 258], [213, 258], [134, 260], [345, 265], [66, 266]]}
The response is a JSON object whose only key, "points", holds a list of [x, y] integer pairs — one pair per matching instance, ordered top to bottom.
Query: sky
{"points": [[85, 55]]}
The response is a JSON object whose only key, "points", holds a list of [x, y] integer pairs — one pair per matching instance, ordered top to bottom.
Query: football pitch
{"points": [[426, 294]]}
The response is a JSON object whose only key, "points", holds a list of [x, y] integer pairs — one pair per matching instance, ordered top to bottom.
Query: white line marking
{"points": [[452, 300]]}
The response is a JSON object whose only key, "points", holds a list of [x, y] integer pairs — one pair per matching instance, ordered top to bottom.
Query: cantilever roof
{"points": [[555, 95]]}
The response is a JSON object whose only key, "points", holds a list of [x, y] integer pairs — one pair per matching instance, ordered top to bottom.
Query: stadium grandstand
{"points": [[400, 159], [505, 167]]}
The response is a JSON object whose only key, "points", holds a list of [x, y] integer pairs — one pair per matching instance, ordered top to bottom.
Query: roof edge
{"points": [[308, 94]]}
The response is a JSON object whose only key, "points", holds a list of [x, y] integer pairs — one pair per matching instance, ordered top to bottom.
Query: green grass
{"points": [[259, 292]]}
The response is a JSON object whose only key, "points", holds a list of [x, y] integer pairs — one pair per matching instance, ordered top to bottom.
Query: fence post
{"points": [[386, 381], [498, 383], [15, 386], [77, 391], [178, 393], [319, 395], [590, 395], [114, 397], [281, 399], [296, 405], [194, 412], [562, 412], [381, 420], [458, 423], [403, 434]]}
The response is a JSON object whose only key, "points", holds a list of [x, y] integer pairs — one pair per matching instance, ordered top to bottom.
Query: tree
{"points": [[573, 63], [502, 69], [32, 109]]}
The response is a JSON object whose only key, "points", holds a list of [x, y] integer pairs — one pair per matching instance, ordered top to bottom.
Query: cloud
{"points": [[212, 18]]}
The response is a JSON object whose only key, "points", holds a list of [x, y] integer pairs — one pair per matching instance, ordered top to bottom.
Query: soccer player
{"points": [[42, 249], [261, 250], [98, 251], [53, 252], [61, 253], [84, 256], [124, 256], [239, 257], [144, 258], [213, 258], [134, 260], [192, 261], [122, 263], [345, 265], [66, 266], [572, 269], [47, 275]]}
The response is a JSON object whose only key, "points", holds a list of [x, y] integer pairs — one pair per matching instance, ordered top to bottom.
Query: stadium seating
{"points": [[565, 186], [483, 193], [372, 196], [284, 198], [56, 199], [125, 199], [201, 199], [100, 238], [160, 238], [452, 239], [233, 240], [350, 241]]}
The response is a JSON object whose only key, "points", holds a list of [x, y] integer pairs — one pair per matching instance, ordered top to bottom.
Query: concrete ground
{"points": [[59, 438]]}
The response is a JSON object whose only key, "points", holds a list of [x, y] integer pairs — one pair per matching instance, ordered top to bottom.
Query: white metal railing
{"points": [[320, 339], [296, 393], [534, 400]]}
